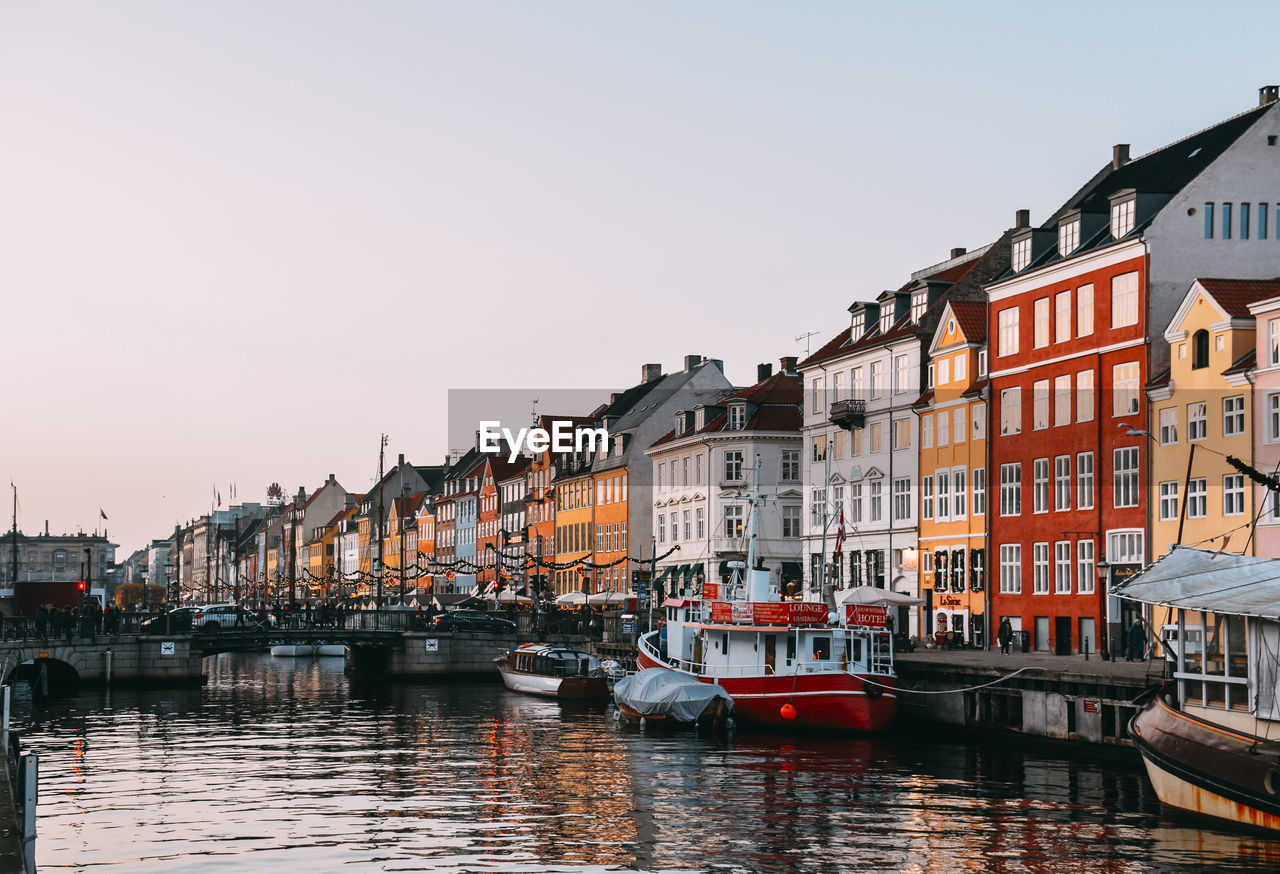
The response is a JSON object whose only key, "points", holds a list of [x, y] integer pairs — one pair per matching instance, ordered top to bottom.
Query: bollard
{"points": [[107, 656], [30, 769]]}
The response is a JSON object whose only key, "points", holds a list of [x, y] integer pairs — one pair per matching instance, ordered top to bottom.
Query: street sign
{"points": [[433, 645], [166, 648]]}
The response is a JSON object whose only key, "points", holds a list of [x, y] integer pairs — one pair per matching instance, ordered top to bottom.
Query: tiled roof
{"points": [[1235, 295], [971, 316], [1243, 364], [1160, 380], [977, 387], [924, 400], [777, 402]]}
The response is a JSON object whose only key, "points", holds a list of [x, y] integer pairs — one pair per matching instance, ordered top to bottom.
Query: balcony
{"points": [[848, 414], [729, 544]]}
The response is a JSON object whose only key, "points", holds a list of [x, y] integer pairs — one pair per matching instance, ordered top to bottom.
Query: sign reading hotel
{"points": [[563, 437], [862, 614]]}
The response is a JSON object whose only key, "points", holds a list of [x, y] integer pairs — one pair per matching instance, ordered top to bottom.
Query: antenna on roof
{"points": [[804, 338], [533, 411]]}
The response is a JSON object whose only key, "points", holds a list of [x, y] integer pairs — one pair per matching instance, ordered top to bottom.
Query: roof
{"points": [[1235, 295], [971, 316], [1243, 364], [1161, 379], [773, 404], [1219, 582]]}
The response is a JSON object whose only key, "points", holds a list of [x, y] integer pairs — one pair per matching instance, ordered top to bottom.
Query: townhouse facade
{"points": [[1266, 412]]}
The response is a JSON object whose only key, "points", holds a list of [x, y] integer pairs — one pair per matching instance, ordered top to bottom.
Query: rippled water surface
{"points": [[283, 765]]}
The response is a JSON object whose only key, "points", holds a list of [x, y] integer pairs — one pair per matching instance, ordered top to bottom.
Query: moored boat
{"points": [[293, 650], [553, 672], [663, 698], [1208, 738]]}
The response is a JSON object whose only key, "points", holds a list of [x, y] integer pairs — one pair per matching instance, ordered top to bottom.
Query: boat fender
{"points": [[871, 688], [788, 711]]}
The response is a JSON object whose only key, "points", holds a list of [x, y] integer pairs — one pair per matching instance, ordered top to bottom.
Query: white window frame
{"points": [[1124, 300], [1084, 310], [1040, 336], [1007, 338], [1125, 389], [1062, 400], [1011, 410], [1233, 416], [1197, 421], [1168, 425], [1125, 476], [979, 478], [1085, 480], [1062, 483], [1040, 486], [1011, 489], [942, 490], [959, 494], [1233, 494], [1198, 498], [1168, 501], [1062, 567], [1011, 568], [1040, 568], [1086, 570]]}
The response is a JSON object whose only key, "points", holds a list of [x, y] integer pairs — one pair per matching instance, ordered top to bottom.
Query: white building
{"points": [[702, 480]]}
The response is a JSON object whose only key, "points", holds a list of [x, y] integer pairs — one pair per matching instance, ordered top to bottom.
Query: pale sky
{"points": [[242, 239]]}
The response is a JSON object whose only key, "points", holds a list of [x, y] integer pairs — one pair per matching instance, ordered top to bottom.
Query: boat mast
{"points": [[755, 501], [15, 533]]}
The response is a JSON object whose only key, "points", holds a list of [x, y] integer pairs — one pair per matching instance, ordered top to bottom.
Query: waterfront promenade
{"points": [[1118, 670]]}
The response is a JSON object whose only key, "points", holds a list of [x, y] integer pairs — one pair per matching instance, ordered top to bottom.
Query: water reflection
{"points": [[285, 764]]}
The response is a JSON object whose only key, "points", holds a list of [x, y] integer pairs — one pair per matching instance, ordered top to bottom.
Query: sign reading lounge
{"points": [[563, 437]]}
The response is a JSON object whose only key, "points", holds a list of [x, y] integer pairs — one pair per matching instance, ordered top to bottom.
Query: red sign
{"points": [[711, 591], [721, 611], [769, 612], [862, 614], [1091, 705]]}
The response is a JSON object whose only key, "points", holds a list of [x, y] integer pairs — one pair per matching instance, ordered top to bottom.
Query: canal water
{"points": [[289, 765]]}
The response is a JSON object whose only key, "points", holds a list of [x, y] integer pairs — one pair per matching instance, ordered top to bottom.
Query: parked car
{"points": [[212, 617], [472, 620], [176, 621]]}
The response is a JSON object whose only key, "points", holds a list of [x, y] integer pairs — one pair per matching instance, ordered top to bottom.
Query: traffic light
{"points": [[80, 585]]}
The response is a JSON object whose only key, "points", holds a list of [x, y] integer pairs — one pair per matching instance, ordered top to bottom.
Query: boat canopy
{"points": [[1215, 582], [873, 596], [659, 690]]}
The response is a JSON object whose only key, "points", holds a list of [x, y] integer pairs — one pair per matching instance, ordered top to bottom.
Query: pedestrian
{"points": [[1005, 636], [1137, 642]]}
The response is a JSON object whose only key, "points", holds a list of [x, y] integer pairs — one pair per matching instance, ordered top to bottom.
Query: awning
{"points": [[1216, 582], [870, 595]]}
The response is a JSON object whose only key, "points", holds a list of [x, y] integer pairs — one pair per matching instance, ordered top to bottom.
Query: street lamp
{"points": [[1104, 634]]}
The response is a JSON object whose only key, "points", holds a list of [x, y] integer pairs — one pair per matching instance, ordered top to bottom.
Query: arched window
{"points": [[1200, 349]]}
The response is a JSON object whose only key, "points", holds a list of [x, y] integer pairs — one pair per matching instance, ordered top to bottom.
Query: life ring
{"points": [[872, 688]]}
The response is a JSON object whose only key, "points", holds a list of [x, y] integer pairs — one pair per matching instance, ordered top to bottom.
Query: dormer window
{"points": [[1122, 216], [1068, 237], [1021, 254], [919, 303], [886, 320], [855, 327], [737, 417], [699, 418], [679, 423]]}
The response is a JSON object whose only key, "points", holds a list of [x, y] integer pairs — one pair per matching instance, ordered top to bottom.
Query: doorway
{"points": [[1062, 635], [770, 654]]}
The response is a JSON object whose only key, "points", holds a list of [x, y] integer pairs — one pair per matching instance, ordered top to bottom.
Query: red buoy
{"points": [[788, 711]]}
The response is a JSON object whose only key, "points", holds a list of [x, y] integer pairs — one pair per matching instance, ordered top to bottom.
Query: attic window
{"points": [[1122, 215], [1068, 237], [1021, 254], [919, 303], [886, 320], [855, 326], [737, 417], [679, 423]]}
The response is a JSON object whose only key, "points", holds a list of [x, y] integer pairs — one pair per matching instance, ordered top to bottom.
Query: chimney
{"points": [[1268, 94], [1119, 155], [1022, 218], [958, 251], [692, 361], [788, 363], [650, 372], [763, 372], [400, 463], [331, 478]]}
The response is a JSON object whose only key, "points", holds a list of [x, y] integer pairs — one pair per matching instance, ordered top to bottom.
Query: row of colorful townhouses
{"points": [[1003, 436]]}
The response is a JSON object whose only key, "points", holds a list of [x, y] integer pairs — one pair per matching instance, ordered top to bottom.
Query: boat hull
{"points": [[293, 650], [567, 688], [822, 700], [1205, 770]]}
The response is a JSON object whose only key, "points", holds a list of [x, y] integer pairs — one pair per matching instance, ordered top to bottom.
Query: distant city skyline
{"points": [[242, 242]]}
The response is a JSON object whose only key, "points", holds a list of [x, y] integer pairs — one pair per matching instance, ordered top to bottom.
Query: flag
{"points": [[219, 498], [102, 514], [839, 550]]}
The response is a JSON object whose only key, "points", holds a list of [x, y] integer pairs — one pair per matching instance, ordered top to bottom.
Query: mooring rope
{"points": [[967, 688]]}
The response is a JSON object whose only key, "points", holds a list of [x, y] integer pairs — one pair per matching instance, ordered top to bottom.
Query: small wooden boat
{"points": [[293, 650], [553, 672], [662, 698]]}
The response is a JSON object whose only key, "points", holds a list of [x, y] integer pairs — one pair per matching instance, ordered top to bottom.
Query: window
{"points": [[1264, 210], [1122, 217], [1208, 221], [1226, 221], [1244, 221], [1068, 237], [1021, 254], [1124, 300], [919, 303], [1084, 311], [1062, 317], [886, 318], [1041, 323], [1008, 339], [1273, 342], [1199, 349], [982, 363], [962, 367], [942, 371], [901, 373], [877, 379], [929, 380], [837, 386], [857, 388], [1124, 389], [819, 394], [1084, 396], [1062, 400], [1040, 405], [1011, 411], [1233, 415], [737, 417], [1273, 417], [1197, 421], [980, 422], [958, 426], [1168, 426], [944, 428], [926, 432], [902, 434], [877, 438], [818, 452], [733, 463], [790, 465], [1126, 477], [943, 480], [1084, 481], [1062, 483], [1233, 485], [1040, 486], [1011, 489], [979, 491], [959, 494], [926, 497], [1197, 498], [901, 499], [877, 500], [1168, 501], [855, 502], [818, 507], [699, 518], [733, 520], [790, 521], [687, 523], [661, 528], [1125, 546], [1062, 567], [1011, 568], [1040, 568], [1086, 573]]}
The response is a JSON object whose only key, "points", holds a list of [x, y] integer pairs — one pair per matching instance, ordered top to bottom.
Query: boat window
{"points": [[724, 643], [856, 643], [791, 648], [821, 648], [1214, 654]]}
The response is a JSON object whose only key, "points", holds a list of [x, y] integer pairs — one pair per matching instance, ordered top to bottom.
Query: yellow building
{"points": [[1202, 410], [953, 477], [575, 523]]}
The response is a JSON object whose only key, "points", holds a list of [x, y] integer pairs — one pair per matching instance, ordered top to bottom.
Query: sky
{"points": [[242, 240]]}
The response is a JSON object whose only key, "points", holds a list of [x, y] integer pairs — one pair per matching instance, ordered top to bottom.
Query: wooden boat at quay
{"points": [[553, 672], [663, 698], [1210, 739]]}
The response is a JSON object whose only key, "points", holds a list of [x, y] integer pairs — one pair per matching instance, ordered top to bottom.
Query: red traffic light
{"points": [[80, 585]]}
